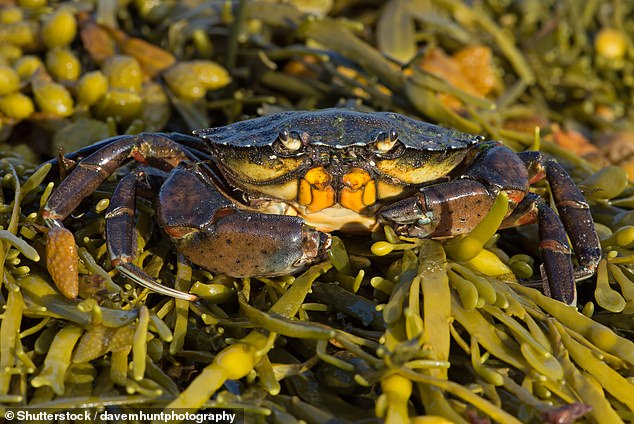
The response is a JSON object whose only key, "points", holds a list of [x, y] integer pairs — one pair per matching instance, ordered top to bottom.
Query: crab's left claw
{"points": [[441, 210]]}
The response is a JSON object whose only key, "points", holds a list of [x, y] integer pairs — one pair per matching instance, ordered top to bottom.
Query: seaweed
{"points": [[389, 328]]}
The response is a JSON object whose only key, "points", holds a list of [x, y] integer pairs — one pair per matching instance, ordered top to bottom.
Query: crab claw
{"points": [[440, 210], [408, 217], [217, 235], [245, 244]]}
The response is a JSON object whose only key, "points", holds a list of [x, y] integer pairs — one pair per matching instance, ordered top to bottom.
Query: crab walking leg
{"points": [[192, 143], [155, 149], [574, 211], [575, 214], [216, 234], [121, 235], [557, 257], [558, 272]]}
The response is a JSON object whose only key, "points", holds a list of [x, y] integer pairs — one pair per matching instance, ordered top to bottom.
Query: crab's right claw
{"points": [[213, 233], [253, 244]]}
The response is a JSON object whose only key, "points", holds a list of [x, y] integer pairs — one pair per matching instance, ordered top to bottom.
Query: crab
{"points": [[260, 197]]}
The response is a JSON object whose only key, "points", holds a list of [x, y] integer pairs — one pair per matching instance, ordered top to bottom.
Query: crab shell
{"points": [[333, 167]]}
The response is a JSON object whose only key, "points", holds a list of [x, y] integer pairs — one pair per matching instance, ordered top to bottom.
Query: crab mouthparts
{"points": [[354, 190]]}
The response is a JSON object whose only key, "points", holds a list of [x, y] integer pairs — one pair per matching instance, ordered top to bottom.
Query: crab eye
{"points": [[284, 134], [393, 134], [385, 141], [288, 142]]}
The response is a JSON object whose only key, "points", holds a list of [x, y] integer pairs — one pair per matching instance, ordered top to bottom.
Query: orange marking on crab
{"points": [[537, 177], [359, 190], [315, 191], [515, 197], [529, 218]]}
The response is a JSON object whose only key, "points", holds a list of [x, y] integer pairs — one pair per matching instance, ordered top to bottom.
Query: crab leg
{"points": [[190, 142], [155, 149], [501, 168], [574, 211], [575, 214], [121, 237], [556, 255], [557, 271]]}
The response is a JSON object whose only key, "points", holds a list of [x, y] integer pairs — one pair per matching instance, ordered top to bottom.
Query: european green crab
{"points": [[260, 197]]}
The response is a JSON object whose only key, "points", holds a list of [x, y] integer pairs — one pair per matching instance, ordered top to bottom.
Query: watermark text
{"points": [[216, 415]]}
